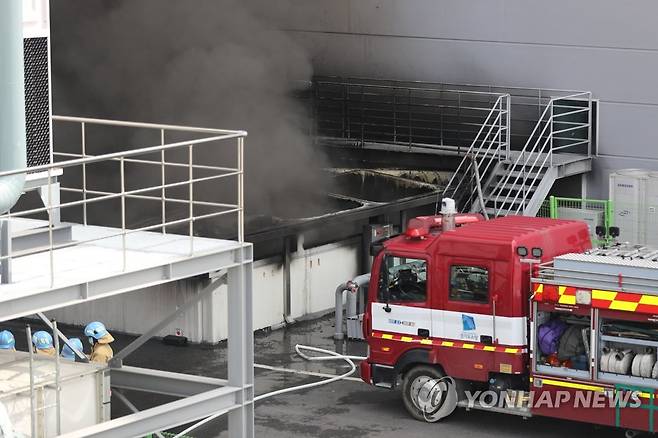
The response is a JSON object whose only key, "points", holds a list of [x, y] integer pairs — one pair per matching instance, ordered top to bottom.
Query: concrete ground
{"points": [[342, 409]]}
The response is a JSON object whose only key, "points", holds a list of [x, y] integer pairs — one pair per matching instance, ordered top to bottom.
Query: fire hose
{"points": [[331, 355]]}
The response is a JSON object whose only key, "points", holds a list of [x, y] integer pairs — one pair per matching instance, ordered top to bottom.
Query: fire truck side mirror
{"points": [[376, 248]]}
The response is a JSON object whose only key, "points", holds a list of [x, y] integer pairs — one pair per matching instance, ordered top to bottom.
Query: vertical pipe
{"points": [[12, 103], [190, 159], [84, 172], [163, 193], [123, 211], [50, 227], [287, 290], [338, 325], [58, 401], [33, 408]]}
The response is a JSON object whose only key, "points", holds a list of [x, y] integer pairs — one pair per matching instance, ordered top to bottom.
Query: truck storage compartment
{"points": [[562, 341], [627, 349]]}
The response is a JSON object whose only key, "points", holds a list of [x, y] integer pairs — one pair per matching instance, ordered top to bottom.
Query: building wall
{"points": [[600, 45], [315, 273]]}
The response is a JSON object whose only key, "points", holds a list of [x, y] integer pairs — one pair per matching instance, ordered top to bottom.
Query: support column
{"points": [[54, 195], [5, 250], [287, 291], [241, 348]]}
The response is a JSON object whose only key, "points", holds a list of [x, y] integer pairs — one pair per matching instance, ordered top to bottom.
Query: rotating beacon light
{"points": [[448, 212]]}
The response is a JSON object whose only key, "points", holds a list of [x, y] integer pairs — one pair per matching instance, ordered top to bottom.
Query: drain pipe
{"points": [[12, 103], [352, 287]]}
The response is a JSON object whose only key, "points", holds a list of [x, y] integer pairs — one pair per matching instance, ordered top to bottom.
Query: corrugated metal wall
{"points": [[605, 46]]}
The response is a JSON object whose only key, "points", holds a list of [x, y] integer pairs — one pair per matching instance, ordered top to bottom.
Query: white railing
{"points": [[487, 149], [171, 159], [510, 194]]}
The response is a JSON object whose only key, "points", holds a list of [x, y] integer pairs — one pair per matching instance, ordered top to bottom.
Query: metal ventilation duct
{"points": [[12, 102]]}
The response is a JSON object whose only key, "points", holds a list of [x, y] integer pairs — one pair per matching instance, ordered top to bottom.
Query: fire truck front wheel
{"points": [[428, 394]]}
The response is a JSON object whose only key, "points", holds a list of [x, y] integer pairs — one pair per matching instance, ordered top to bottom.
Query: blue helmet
{"points": [[95, 330], [42, 340], [7, 341], [69, 354]]}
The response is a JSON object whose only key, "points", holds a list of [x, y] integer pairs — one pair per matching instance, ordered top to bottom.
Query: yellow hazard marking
{"points": [[540, 289], [561, 289], [605, 295], [567, 299], [649, 299], [623, 305], [387, 336], [406, 339], [426, 341], [447, 344], [468, 346], [489, 348], [511, 350], [572, 385]]}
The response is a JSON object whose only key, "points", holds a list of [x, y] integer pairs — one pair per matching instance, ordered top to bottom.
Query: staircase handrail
{"points": [[548, 142], [475, 151]]}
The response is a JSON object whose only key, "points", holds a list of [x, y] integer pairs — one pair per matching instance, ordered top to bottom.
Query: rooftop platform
{"points": [[97, 268]]}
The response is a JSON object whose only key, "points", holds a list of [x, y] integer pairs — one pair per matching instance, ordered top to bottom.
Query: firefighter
{"points": [[100, 339], [7, 341], [43, 343], [69, 354]]}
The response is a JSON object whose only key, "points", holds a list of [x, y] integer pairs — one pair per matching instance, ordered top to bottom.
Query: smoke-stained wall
{"points": [[605, 46], [212, 63]]}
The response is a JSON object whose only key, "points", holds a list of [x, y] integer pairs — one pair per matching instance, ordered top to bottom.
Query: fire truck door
{"points": [[402, 304], [468, 312]]}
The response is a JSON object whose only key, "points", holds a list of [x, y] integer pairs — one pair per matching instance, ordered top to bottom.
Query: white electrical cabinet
{"points": [[628, 192], [84, 394]]}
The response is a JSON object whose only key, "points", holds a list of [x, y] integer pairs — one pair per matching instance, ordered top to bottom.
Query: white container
{"points": [[628, 192], [651, 211], [85, 393]]}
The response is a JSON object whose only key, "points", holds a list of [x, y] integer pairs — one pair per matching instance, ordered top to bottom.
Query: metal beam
{"points": [[17, 306], [80, 354], [117, 360], [162, 382], [120, 396], [164, 417]]}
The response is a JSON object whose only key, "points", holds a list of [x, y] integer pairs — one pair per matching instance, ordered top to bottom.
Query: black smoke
{"points": [[212, 63]]}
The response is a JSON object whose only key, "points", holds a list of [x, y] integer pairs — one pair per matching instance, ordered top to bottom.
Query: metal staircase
{"points": [[494, 180]]}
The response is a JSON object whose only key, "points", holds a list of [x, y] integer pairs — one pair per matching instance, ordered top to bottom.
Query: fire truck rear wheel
{"points": [[432, 407]]}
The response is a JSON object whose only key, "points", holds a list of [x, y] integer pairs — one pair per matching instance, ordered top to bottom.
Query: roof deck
{"points": [[95, 265]]}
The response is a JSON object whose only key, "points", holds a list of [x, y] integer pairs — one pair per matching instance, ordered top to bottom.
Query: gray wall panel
{"points": [[599, 23], [600, 45], [629, 130]]}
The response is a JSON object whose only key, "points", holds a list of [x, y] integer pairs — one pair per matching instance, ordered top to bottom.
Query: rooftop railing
{"points": [[179, 167]]}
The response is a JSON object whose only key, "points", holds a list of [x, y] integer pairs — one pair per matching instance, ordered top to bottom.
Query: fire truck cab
{"points": [[456, 302]]}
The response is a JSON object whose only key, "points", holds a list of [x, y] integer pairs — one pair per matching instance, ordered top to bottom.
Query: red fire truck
{"points": [[515, 306]]}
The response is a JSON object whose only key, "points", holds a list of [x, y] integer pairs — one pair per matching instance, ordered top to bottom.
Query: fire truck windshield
{"points": [[403, 279]]}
